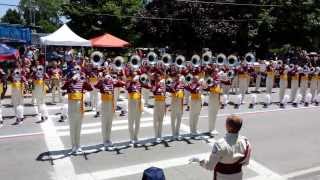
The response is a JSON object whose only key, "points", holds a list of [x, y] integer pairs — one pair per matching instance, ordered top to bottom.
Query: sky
{"points": [[3, 9]]}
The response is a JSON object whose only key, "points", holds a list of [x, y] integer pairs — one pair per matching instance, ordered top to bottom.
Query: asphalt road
{"points": [[286, 145]]}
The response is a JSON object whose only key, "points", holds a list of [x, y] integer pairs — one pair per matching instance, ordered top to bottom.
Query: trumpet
{"points": [[97, 58], [152, 58], [166, 59], [221, 59], [180, 61], [195, 61], [232, 61], [135, 62], [118, 63]]}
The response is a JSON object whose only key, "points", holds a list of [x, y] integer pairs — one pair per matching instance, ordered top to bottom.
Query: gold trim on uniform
{"points": [[243, 76], [283, 77], [295, 77], [305, 77], [93, 80], [39, 82], [16, 85], [216, 90], [179, 94], [76, 96], [135, 96], [195, 96], [106, 97], [159, 98]]}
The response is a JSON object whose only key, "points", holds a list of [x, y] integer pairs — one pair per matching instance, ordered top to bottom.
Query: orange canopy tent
{"points": [[108, 40]]}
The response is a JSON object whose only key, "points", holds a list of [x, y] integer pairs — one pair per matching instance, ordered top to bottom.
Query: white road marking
{"points": [[114, 128], [21, 135], [63, 168], [139, 168], [264, 172], [302, 172]]}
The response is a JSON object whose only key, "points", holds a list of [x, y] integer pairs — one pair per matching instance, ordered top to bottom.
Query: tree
{"points": [[43, 13], [12, 16], [91, 18], [193, 26]]}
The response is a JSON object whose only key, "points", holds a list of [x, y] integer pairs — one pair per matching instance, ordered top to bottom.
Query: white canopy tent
{"points": [[64, 36]]}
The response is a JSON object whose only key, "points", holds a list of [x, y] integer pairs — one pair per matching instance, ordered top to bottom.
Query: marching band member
{"points": [[185, 71], [92, 72], [242, 72], [294, 73], [55, 74], [118, 74], [2, 75], [258, 76], [270, 78], [226, 81], [304, 82], [283, 83], [313, 83], [212, 85], [17, 87], [76, 87], [106, 87], [176, 88], [195, 89], [318, 89], [39, 90], [145, 91], [159, 92], [134, 107]]}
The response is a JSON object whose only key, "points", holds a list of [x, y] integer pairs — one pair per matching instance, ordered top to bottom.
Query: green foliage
{"points": [[46, 13], [12, 16], [98, 17]]}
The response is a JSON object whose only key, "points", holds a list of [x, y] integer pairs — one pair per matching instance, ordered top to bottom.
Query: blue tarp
{"points": [[15, 33]]}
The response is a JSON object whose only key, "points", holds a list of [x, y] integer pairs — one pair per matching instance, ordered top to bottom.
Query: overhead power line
{"points": [[230, 3], [11, 5]]}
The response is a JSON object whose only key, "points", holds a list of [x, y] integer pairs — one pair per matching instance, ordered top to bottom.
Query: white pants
{"points": [[258, 82], [235, 84], [269, 84], [283, 84], [243, 87], [303, 88], [313, 88], [226, 89], [294, 89], [56, 91], [318, 91], [145, 94], [39, 95], [186, 97], [17, 98], [94, 99], [214, 105], [195, 108], [159, 111], [107, 114], [134, 115], [176, 115], [75, 122], [236, 176]]}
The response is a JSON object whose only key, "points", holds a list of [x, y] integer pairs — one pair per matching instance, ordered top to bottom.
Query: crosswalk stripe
{"points": [[116, 128]]}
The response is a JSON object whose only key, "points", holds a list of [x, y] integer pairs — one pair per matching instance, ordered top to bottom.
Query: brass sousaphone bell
{"points": [[97, 58], [152, 58], [207, 58], [250, 58], [166, 59], [221, 59], [135, 61], [180, 61], [195, 61], [232, 61], [118, 63]]}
